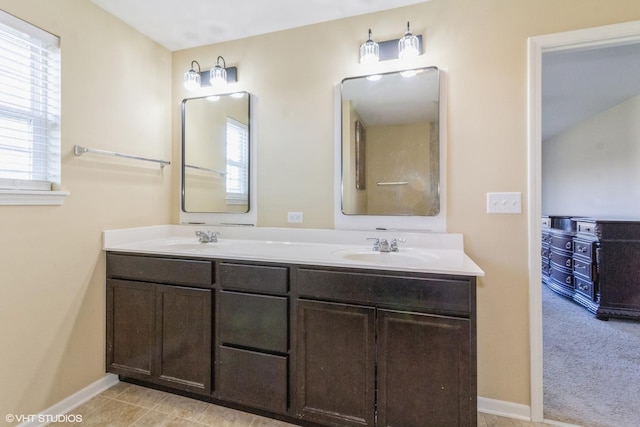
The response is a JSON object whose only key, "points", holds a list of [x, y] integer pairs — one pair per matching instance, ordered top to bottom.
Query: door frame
{"points": [[605, 36]]}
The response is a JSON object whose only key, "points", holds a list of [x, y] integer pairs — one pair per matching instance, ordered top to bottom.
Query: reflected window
{"points": [[237, 162]]}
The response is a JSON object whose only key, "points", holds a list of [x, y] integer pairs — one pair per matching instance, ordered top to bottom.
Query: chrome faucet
{"points": [[207, 236], [383, 245]]}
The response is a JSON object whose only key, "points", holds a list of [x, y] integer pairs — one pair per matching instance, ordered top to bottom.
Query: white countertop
{"points": [[440, 253]]}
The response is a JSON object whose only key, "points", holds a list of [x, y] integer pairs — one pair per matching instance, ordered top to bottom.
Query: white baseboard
{"points": [[73, 401], [503, 408]]}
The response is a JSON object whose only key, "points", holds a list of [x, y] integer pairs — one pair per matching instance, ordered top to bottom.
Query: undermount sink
{"points": [[404, 259]]}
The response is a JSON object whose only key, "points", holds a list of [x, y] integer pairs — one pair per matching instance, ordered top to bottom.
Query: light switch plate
{"points": [[504, 203]]}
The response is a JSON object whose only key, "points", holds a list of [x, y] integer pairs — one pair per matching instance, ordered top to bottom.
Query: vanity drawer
{"points": [[560, 259], [198, 273], [256, 278], [423, 294], [256, 321], [252, 378]]}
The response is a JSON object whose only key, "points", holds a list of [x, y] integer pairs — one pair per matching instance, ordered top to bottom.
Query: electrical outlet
{"points": [[504, 203], [294, 217]]}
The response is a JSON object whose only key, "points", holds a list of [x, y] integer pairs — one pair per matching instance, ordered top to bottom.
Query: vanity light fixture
{"points": [[408, 45], [369, 51], [218, 74], [191, 78]]}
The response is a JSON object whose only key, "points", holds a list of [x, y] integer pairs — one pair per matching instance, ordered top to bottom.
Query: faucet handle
{"points": [[376, 243], [394, 244]]}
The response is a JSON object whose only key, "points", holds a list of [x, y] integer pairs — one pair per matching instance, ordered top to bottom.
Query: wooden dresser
{"points": [[560, 251], [604, 263]]}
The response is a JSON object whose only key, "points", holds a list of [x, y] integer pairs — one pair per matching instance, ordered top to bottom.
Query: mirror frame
{"points": [[223, 218], [436, 223]]}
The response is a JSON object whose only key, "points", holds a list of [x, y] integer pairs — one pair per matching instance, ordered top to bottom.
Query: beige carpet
{"points": [[591, 367]]}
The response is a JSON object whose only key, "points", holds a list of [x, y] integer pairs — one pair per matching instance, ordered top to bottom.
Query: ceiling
{"points": [[182, 24], [576, 84]]}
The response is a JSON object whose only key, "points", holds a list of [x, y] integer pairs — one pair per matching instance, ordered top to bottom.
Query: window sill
{"points": [[32, 198]]}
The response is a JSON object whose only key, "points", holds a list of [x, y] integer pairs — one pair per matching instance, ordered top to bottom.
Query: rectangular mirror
{"points": [[390, 143], [215, 153]]}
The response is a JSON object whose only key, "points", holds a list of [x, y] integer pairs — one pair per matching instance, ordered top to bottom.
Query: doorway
{"points": [[608, 36]]}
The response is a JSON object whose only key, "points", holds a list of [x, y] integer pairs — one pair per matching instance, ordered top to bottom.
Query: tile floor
{"points": [[128, 405]]}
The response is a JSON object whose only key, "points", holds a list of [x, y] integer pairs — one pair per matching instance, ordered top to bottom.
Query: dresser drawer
{"points": [[586, 227], [545, 237], [561, 241], [583, 248], [561, 260], [584, 268], [160, 270], [562, 277], [256, 278], [585, 287], [255, 321]]}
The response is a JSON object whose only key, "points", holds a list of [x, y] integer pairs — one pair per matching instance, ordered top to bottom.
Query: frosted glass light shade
{"points": [[408, 45], [369, 51], [218, 76], [191, 80]]}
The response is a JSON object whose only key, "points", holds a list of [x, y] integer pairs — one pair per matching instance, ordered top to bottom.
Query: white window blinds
{"points": [[29, 106], [237, 162]]}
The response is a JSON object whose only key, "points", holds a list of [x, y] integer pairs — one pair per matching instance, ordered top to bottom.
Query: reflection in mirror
{"points": [[390, 144], [215, 153]]}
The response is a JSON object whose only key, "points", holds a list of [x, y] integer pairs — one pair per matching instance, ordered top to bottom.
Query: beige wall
{"points": [[482, 46], [122, 92], [116, 96]]}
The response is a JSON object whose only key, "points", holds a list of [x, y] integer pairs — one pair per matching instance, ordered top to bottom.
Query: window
{"points": [[29, 108], [237, 162]]}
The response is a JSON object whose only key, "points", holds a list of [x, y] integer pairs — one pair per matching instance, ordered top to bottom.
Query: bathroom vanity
{"points": [[313, 331]]}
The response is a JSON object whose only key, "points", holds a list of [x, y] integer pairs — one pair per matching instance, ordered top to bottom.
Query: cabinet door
{"points": [[130, 327], [183, 336], [424, 371], [335, 372]]}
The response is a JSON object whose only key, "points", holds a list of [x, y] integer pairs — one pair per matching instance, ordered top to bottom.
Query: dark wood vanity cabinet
{"points": [[158, 332], [253, 336], [320, 345], [385, 349]]}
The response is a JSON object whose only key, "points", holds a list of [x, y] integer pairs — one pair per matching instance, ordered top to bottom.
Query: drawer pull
{"points": [[568, 245], [582, 249], [568, 263], [569, 280], [582, 287]]}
